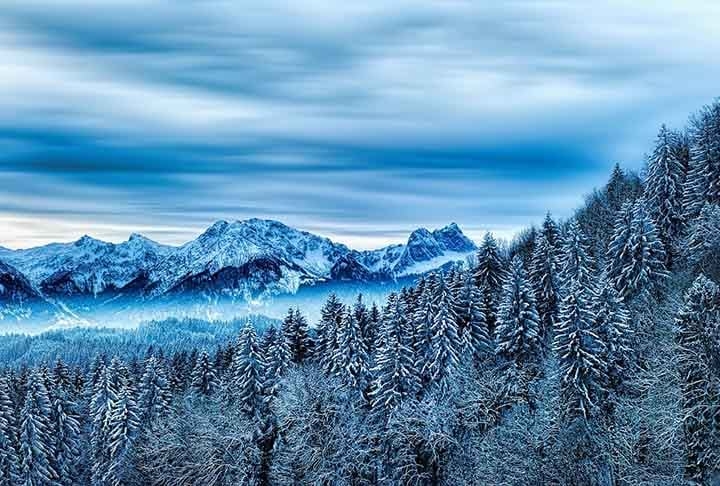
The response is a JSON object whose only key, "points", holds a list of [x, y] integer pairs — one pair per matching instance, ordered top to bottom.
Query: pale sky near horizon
{"points": [[360, 122]]}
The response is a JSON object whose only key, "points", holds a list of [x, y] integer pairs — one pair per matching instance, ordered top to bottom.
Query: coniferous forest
{"points": [[584, 352]]}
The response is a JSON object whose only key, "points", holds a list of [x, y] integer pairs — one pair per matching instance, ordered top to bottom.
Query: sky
{"points": [[356, 120]]}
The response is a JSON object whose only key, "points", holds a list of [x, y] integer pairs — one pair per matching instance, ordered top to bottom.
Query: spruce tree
{"points": [[702, 184], [664, 187], [636, 255], [577, 262], [544, 270], [490, 276], [331, 316], [612, 325], [295, 329], [518, 330], [476, 336], [445, 344], [581, 355], [351, 357], [278, 361], [395, 371], [247, 372], [700, 373], [204, 380], [104, 393], [155, 394], [123, 427], [67, 428], [36, 436], [9, 457]]}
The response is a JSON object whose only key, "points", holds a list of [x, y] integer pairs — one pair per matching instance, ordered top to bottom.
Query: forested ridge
{"points": [[586, 351]]}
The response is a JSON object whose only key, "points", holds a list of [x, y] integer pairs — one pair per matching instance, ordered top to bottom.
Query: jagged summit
{"points": [[242, 259]]}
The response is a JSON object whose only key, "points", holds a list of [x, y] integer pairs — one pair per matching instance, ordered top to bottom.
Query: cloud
{"points": [[353, 119]]}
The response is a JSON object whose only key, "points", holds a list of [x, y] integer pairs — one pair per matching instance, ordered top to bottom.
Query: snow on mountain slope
{"points": [[424, 251], [268, 252], [242, 259], [86, 266], [19, 300]]}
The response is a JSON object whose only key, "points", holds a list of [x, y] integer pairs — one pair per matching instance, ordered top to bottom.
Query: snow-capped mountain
{"points": [[423, 252], [246, 256], [242, 260], [86, 266], [19, 300]]}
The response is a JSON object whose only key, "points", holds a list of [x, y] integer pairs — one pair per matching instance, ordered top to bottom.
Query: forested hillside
{"points": [[585, 352]]}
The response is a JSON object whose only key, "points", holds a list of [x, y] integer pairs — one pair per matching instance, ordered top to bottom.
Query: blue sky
{"points": [[357, 120]]}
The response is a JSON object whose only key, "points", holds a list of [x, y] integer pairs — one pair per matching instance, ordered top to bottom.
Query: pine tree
{"points": [[702, 184], [664, 187], [636, 255], [577, 263], [490, 276], [544, 278], [331, 316], [363, 318], [612, 325], [295, 329], [518, 331], [476, 336], [445, 344], [580, 354], [351, 357], [279, 360], [247, 372], [396, 376], [204, 379], [701, 380], [107, 382], [155, 395], [123, 426], [67, 429], [36, 436], [9, 457]]}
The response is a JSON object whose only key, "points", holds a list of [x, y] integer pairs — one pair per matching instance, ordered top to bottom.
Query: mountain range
{"points": [[239, 260]]}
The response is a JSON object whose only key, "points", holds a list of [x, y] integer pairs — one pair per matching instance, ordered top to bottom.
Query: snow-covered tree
{"points": [[702, 184], [664, 186], [702, 250], [636, 256], [577, 263], [490, 276], [544, 277], [361, 313], [612, 325], [295, 329], [518, 330], [475, 335], [445, 343], [326, 344], [581, 354], [351, 356], [278, 359], [248, 368], [700, 373], [396, 374], [204, 380], [155, 395], [123, 427], [67, 428], [36, 436], [9, 457]]}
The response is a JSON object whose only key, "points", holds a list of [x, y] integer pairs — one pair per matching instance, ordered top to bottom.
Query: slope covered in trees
{"points": [[586, 352]]}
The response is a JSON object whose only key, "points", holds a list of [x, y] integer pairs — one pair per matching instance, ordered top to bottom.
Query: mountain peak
{"points": [[452, 238]]}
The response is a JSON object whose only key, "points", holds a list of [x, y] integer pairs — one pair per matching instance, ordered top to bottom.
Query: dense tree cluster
{"points": [[586, 352]]}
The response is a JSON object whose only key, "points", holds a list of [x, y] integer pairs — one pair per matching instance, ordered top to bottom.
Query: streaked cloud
{"points": [[360, 121]]}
